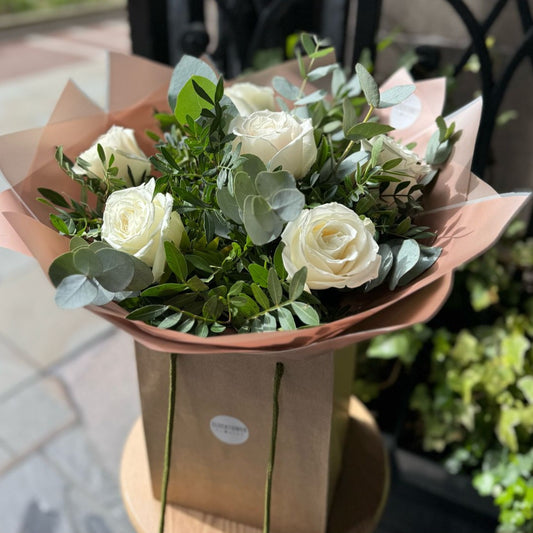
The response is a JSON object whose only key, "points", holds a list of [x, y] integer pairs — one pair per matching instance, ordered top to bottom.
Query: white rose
{"points": [[248, 97], [278, 139], [121, 143], [414, 167], [138, 223], [336, 246]]}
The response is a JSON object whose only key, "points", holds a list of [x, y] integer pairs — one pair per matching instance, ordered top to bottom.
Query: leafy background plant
{"points": [[472, 406]]}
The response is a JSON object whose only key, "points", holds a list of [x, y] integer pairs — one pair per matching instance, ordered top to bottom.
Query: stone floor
{"points": [[68, 393]]}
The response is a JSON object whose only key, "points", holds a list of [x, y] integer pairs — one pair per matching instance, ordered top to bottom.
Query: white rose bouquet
{"points": [[251, 218], [284, 222]]}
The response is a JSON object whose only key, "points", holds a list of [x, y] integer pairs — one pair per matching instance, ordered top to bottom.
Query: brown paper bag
{"points": [[222, 434]]}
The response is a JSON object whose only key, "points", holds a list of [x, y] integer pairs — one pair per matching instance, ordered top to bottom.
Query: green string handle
{"points": [[273, 436], [168, 437]]}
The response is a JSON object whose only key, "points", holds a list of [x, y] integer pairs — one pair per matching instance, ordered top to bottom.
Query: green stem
{"points": [[273, 437], [168, 438]]}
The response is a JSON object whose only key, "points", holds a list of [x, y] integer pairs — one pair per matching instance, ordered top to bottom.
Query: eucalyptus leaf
{"points": [[308, 43], [322, 53], [321, 72], [338, 81], [368, 85], [285, 88], [395, 95], [312, 98], [349, 116], [367, 130], [438, 152], [251, 164], [349, 165], [269, 183], [244, 188], [288, 204], [228, 205], [261, 222], [78, 242], [406, 256], [428, 256], [387, 260], [87, 262], [62, 267], [117, 269], [142, 276], [75, 291], [103, 296]]}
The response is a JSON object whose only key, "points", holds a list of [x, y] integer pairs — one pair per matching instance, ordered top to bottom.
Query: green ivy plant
{"points": [[475, 407]]}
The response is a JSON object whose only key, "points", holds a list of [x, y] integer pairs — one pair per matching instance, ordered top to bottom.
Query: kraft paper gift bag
{"points": [[222, 434]]}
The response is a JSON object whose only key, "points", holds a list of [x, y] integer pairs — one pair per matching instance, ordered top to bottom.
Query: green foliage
{"points": [[228, 270], [96, 274], [475, 407], [508, 478]]}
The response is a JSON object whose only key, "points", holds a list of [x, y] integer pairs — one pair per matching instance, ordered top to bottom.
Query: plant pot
{"points": [[424, 497]]}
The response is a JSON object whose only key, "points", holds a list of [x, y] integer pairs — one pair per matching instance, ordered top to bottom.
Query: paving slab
{"points": [[13, 263], [31, 321], [14, 369], [102, 381], [33, 415], [6, 457], [32, 499], [94, 499]]}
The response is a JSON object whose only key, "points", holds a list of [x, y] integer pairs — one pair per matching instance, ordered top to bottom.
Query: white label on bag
{"points": [[405, 114], [229, 430]]}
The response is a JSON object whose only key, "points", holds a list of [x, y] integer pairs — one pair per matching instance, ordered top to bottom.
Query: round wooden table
{"points": [[357, 505]]}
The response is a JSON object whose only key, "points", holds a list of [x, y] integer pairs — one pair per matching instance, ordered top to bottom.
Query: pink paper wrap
{"points": [[466, 213]]}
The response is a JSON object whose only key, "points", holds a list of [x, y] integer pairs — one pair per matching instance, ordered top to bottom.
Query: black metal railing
{"points": [[165, 29]]}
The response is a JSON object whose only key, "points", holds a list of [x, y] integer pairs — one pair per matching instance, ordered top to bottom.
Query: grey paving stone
{"points": [[12, 262], [31, 321], [13, 368], [103, 383], [33, 415], [74, 456], [6, 457], [32, 499], [94, 502], [92, 516]]}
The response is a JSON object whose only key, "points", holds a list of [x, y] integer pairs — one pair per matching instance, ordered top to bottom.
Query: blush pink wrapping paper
{"points": [[467, 214]]}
